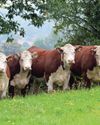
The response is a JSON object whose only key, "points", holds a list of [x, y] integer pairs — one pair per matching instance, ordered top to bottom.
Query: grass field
{"points": [[81, 107]]}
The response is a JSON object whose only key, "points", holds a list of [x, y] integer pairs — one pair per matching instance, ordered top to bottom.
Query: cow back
{"points": [[84, 60]]}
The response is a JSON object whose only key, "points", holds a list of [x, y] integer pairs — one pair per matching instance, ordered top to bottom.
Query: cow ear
{"points": [[78, 47], [59, 50], [93, 51], [34, 55], [17, 56], [9, 57]]}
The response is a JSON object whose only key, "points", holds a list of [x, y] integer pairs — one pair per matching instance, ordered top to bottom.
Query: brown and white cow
{"points": [[87, 64], [53, 65], [20, 66], [4, 75]]}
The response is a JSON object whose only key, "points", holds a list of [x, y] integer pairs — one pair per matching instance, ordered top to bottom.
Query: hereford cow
{"points": [[87, 64], [53, 65], [20, 66], [4, 75]]}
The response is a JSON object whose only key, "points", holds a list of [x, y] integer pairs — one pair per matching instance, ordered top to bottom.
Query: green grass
{"points": [[81, 107]]}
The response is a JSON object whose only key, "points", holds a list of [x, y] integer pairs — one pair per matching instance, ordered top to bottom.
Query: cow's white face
{"points": [[68, 54], [97, 55], [26, 60], [3, 62]]}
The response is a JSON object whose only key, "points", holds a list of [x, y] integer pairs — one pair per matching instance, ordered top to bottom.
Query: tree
{"points": [[32, 10], [79, 20]]}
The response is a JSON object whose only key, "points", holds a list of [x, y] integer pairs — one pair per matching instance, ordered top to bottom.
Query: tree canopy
{"points": [[32, 10], [78, 20]]}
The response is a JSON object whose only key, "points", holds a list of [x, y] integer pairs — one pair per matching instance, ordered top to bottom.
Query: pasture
{"points": [[76, 107]]}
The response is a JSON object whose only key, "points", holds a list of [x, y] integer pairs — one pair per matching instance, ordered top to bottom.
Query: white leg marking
{"points": [[50, 85], [65, 86]]}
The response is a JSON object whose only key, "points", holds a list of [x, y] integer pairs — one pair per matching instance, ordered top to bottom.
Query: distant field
{"points": [[81, 107]]}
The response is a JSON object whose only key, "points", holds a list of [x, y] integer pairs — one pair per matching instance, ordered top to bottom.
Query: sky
{"points": [[31, 33]]}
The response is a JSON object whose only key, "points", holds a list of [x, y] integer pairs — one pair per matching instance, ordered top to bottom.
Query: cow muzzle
{"points": [[71, 61], [27, 68], [2, 70]]}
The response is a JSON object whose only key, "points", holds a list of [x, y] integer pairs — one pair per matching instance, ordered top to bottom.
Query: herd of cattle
{"points": [[55, 66]]}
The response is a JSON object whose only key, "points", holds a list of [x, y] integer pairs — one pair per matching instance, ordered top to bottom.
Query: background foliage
{"points": [[78, 20]]}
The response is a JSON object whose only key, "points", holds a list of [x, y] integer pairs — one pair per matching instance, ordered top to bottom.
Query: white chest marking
{"points": [[94, 74], [59, 76], [20, 80]]}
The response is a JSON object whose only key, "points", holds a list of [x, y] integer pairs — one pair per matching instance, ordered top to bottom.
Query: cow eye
{"points": [[64, 53], [96, 55], [21, 60], [5, 61]]}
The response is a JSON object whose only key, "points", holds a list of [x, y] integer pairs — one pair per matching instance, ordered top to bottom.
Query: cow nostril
{"points": [[71, 61], [27, 68], [1, 69]]}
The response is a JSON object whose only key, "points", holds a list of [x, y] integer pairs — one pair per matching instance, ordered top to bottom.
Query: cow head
{"points": [[68, 54], [97, 54], [26, 59], [3, 62]]}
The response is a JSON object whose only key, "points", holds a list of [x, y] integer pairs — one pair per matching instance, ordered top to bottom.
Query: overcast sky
{"points": [[31, 33]]}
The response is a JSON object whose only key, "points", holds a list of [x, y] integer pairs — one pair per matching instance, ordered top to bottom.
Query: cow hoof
{"points": [[67, 89], [51, 91]]}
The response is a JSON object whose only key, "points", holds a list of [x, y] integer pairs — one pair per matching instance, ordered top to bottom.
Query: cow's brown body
{"points": [[84, 60], [47, 64], [14, 65]]}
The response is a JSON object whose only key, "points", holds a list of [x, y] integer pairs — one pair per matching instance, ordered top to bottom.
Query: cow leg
{"points": [[71, 81], [87, 82], [49, 84], [30, 85], [66, 85], [88, 85], [36, 87], [11, 89], [23, 91], [3, 94]]}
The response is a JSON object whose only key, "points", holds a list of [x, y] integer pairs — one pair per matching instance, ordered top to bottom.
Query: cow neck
{"points": [[61, 60], [62, 64], [24, 73]]}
